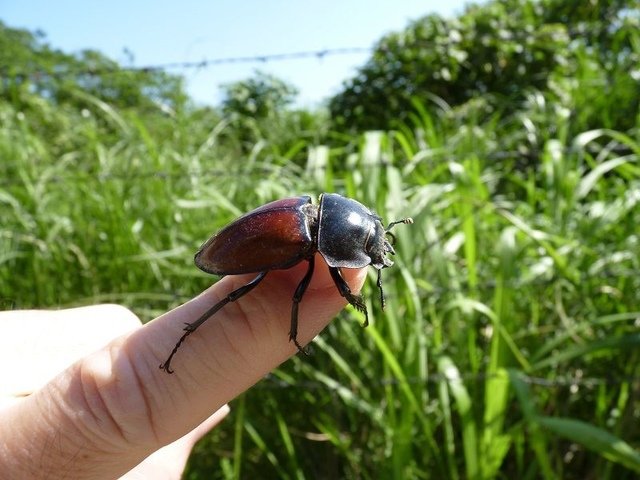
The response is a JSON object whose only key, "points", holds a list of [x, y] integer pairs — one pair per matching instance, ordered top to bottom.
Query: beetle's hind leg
{"points": [[297, 298], [356, 300], [191, 327]]}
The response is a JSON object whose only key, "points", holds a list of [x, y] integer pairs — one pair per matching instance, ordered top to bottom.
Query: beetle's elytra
{"points": [[283, 233]]}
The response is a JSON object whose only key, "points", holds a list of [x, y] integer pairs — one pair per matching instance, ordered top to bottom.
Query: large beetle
{"points": [[283, 233]]}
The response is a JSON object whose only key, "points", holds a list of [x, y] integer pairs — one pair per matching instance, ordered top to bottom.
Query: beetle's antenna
{"points": [[406, 221], [392, 237]]}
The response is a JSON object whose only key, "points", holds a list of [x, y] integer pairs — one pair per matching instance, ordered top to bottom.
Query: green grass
{"points": [[509, 346]]}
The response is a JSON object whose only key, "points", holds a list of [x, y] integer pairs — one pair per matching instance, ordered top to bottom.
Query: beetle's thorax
{"points": [[349, 234]]}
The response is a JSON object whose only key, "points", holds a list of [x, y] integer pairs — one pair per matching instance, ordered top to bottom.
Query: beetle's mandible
{"points": [[283, 233]]}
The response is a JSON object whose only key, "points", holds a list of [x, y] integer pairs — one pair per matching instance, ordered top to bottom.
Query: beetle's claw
{"points": [[357, 301], [358, 304], [300, 348], [165, 366]]}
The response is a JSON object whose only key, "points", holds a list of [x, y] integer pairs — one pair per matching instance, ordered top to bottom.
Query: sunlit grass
{"points": [[508, 279]]}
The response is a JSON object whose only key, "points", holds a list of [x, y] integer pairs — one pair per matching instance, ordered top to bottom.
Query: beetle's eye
{"points": [[406, 221]]}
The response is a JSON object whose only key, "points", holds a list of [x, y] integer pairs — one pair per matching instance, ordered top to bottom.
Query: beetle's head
{"points": [[381, 244]]}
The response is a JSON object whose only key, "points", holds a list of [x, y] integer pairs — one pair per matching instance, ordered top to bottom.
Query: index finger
{"points": [[239, 345], [111, 409]]}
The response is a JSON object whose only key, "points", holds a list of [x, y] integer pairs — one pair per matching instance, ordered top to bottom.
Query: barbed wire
{"points": [[186, 65], [116, 68], [81, 174], [435, 292], [576, 380]]}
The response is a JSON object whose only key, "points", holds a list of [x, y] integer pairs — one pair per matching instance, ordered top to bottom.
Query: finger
{"points": [[45, 342], [243, 342], [112, 409]]}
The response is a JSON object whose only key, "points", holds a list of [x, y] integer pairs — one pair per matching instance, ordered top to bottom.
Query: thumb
{"points": [[170, 461]]}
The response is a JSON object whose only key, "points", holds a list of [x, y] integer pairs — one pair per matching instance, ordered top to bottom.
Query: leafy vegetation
{"points": [[503, 51], [509, 347]]}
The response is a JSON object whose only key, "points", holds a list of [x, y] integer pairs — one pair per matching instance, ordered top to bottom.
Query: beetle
{"points": [[285, 232]]}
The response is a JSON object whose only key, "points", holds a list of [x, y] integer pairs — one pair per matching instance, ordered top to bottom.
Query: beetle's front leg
{"points": [[356, 300]]}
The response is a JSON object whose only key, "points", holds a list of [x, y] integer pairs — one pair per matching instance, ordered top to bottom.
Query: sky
{"points": [[162, 32]]}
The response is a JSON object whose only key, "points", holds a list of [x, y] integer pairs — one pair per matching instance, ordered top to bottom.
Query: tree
{"points": [[501, 50], [30, 66], [258, 97], [258, 107]]}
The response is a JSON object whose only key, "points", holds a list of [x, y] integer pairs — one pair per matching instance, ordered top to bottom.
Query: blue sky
{"points": [[162, 31]]}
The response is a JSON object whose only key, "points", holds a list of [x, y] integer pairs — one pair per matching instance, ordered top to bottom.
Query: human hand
{"points": [[111, 410]]}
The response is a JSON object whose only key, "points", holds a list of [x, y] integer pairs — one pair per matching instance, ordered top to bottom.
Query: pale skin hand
{"points": [[106, 414]]}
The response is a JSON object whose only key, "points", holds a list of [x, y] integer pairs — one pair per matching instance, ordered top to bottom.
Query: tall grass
{"points": [[508, 348]]}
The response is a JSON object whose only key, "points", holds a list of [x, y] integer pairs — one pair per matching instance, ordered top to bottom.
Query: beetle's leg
{"points": [[379, 283], [297, 297], [356, 300], [191, 327]]}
